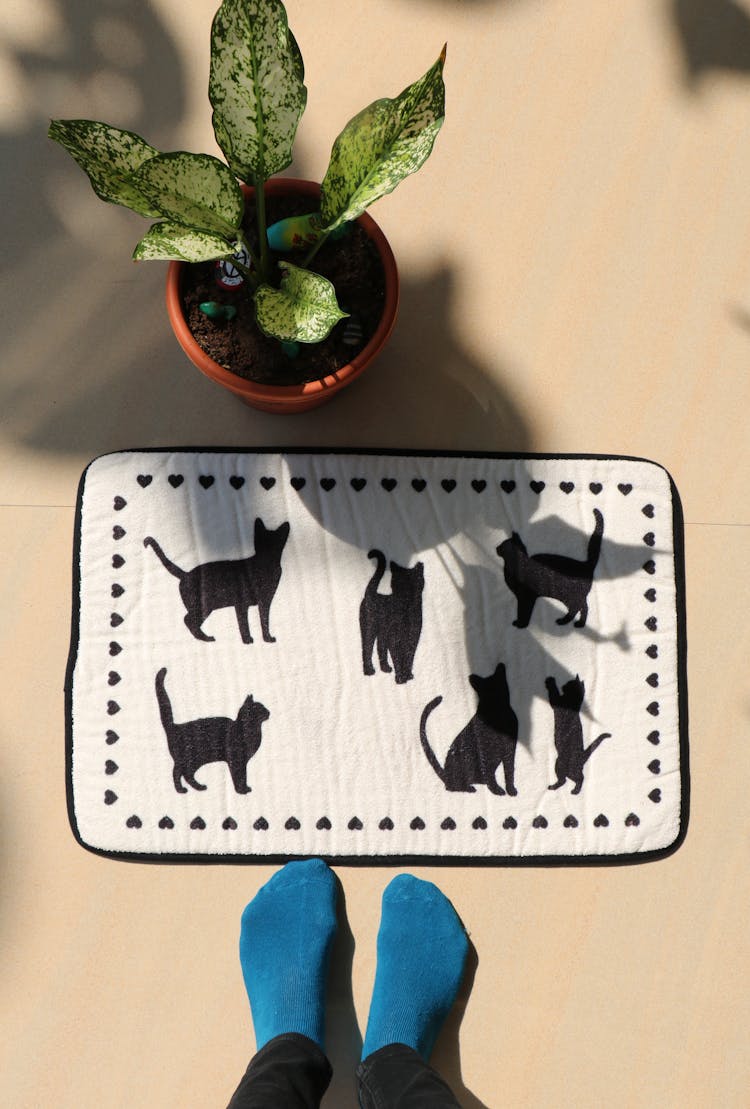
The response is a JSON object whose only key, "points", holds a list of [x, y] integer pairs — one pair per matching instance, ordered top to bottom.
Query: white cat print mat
{"points": [[377, 657]]}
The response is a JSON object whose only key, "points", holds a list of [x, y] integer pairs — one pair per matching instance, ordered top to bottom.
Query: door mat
{"points": [[377, 656]]}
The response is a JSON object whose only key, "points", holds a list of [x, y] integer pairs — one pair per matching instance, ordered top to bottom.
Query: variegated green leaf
{"points": [[256, 86], [383, 144], [109, 156], [194, 190], [185, 244], [303, 310]]}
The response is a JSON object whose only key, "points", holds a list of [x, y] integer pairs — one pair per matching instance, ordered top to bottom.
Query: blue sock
{"points": [[285, 946], [422, 950]]}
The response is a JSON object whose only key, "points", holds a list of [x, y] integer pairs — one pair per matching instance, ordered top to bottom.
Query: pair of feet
{"points": [[285, 945]]}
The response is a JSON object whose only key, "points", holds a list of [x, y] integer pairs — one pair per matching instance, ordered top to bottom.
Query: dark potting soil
{"points": [[351, 263]]}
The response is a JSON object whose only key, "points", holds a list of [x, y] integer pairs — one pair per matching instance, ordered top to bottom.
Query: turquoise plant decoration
{"points": [[257, 91]]}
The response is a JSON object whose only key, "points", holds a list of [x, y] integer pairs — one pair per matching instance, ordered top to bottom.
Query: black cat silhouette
{"points": [[549, 575], [232, 583], [392, 620], [213, 739], [487, 741], [571, 754]]}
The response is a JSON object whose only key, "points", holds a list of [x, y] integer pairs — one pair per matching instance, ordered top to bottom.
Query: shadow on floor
{"points": [[714, 35], [88, 60], [138, 389], [447, 1056]]}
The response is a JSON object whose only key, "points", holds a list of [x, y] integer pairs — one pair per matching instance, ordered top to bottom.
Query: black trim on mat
{"points": [[625, 859]]}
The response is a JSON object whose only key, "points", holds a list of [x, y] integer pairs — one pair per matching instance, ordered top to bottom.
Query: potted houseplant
{"points": [[261, 264]]}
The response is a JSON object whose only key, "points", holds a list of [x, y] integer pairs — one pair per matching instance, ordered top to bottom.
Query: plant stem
{"points": [[260, 211], [242, 237], [314, 249], [248, 274]]}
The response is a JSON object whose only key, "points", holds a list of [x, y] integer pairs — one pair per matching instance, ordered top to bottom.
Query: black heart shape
{"points": [[144, 480], [175, 480], [206, 480], [236, 481], [268, 482], [298, 483], [327, 483], [358, 484], [389, 484], [418, 484], [449, 484], [478, 485], [507, 486], [536, 486], [567, 486], [595, 487], [624, 489], [119, 503], [648, 510], [118, 532], [649, 539], [117, 562], [650, 566], [117, 590], [650, 595], [115, 620], [651, 623], [114, 648], [652, 651], [113, 678], [653, 680], [112, 708], [653, 708], [111, 737], [653, 737], [655, 766], [110, 767], [655, 796], [109, 797], [631, 820], [134, 821], [601, 821], [166, 822], [510, 822], [539, 822], [570, 822], [479, 823], [198, 824], [261, 824], [292, 824], [324, 824], [355, 824], [386, 824], [417, 824], [448, 824], [229, 825]]}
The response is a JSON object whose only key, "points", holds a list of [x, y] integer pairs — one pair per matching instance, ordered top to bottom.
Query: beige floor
{"points": [[575, 261]]}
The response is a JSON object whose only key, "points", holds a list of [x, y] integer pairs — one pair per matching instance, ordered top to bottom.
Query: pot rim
{"points": [[309, 389]]}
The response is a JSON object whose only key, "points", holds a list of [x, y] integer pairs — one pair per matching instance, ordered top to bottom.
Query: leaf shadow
{"points": [[713, 35], [87, 59]]}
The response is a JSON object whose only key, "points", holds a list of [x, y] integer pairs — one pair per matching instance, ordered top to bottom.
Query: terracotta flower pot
{"points": [[290, 398]]}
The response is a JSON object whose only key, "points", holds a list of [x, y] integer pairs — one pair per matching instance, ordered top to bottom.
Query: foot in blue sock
{"points": [[285, 946], [422, 949]]}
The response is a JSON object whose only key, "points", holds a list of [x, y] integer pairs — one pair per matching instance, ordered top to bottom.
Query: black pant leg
{"points": [[289, 1071], [396, 1077]]}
